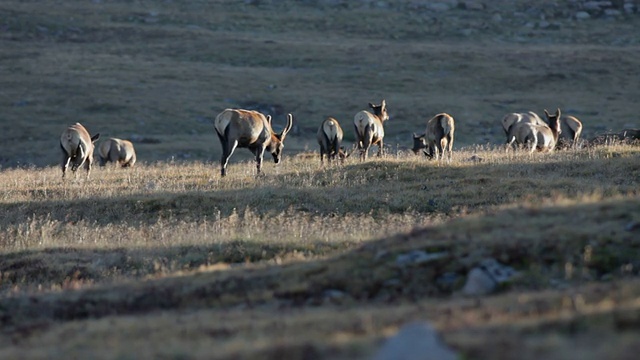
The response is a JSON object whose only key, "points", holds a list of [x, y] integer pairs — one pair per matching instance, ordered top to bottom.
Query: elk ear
{"points": [[383, 104], [372, 106], [546, 113], [558, 113], [269, 119], [95, 137]]}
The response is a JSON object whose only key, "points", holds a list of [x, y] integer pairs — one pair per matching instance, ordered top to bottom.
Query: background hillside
{"points": [[157, 72]]}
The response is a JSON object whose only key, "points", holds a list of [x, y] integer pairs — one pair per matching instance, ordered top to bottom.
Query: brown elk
{"points": [[369, 128], [252, 130], [330, 136], [438, 137], [541, 137], [77, 148], [117, 151]]}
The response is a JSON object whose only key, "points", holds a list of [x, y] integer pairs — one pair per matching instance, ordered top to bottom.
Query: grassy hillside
{"points": [[159, 72], [171, 261]]}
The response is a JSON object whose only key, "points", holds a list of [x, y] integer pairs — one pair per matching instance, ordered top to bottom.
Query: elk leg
{"points": [[380, 148], [227, 150], [259, 155], [65, 164], [87, 166]]}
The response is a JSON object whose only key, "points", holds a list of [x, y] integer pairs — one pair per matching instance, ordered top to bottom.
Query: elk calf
{"points": [[369, 129], [252, 130], [437, 138], [330, 139], [77, 148], [117, 151]]}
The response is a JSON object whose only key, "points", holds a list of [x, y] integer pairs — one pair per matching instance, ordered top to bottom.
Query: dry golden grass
{"points": [[171, 253]]}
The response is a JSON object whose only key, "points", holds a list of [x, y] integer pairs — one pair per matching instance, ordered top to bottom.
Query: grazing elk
{"points": [[511, 119], [369, 128], [571, 129], [252, 130], [541, 137], [437, 138], [330, 139], [77, 148], [117, 151]]}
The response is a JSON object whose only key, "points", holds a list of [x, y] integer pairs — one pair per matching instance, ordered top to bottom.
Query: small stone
{"points": [[438, 7], [612, 12], [582, 15], [632, 226], [417, 257], [478, 283]]}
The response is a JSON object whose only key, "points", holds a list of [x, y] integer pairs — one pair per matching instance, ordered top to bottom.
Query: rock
{"points": [[472, 5], [438, 7], [612, 12], [582, 15], [417, 257], [485, 278], [478, 283], [415, 341]]}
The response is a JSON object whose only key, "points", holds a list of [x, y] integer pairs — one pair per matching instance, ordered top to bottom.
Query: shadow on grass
{"points": [[374, 187], [539, 243]]}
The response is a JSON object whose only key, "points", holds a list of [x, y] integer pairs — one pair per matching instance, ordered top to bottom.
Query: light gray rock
{"points": [[438, 7], [582, 15], [417, 257], [485, 278], [478, 283], [415, 341]]}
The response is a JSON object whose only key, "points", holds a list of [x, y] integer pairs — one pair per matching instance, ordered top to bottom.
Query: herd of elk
{"points": [[253, 130]]}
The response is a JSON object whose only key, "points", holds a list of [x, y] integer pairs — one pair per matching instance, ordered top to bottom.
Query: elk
{"points": [[511, 119], [369, 128], [249, 129], [571, 129], [541, 137], [437, 138], [330, 139], [77, 148], [117, 151]]}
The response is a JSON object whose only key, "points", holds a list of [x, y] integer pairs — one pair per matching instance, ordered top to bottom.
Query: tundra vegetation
{"points": [[138, 258], [169, 260]]}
